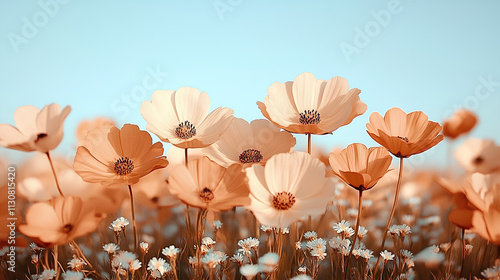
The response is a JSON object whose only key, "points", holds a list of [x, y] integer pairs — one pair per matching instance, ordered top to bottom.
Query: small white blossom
{"points": [[119, 224], [217, 224], [342, 226], [266, 229], [362, 231], [310, 235], [144, 246], [111, 248], [170, 252], [366, 254], [387, 256], [269, 261], [76, 264], [135, 265], [158, 267], [250, 270], [491, 273], [47, 274], [72, 275]]}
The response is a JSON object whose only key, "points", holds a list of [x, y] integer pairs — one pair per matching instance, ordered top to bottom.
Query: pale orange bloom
{"points": [[308, 105], [181, 117], [461, 122], [87, 125], [37, 130], [404, 134], [249, 143], [478, 155], [112, 157], [359, 167], [36, 183], [207, 185], [289, 187], [153, 190], [59, 220]]}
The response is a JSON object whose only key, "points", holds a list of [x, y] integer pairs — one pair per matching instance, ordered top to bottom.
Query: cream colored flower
{"points": [[308, 105], [181, 117], [37, 130], [248, 143], [479, 155], [289, 187]]}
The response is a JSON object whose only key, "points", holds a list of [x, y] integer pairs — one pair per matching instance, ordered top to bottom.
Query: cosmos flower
{"points": [[308, 105], [181, 117], [461, 122], [37, 130], [404, 134], [248, 143], [478, 155], [111, 156], [359, 167], [207, 185], [289, 187], [59, 220]]}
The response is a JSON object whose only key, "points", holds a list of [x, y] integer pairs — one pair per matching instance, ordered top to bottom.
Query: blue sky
{"points": [[105, 57]]}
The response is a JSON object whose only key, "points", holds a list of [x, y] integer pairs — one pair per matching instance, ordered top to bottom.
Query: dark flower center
{"points": [[309, 117], [185, 130], [40, 136], [404, 139], [250, 155], [478, 160], [124, 166], [206, 195], [283, 200], [67, 228]]}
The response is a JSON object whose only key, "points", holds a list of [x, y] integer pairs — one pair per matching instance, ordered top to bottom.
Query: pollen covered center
{"points": [[309, 117], [185, 130], [404, 139], [250, 155], [124, 166], [206, 195], [283, 200]]}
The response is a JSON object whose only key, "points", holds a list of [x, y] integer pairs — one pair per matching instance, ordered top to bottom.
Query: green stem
{"points": [[395, 203]]}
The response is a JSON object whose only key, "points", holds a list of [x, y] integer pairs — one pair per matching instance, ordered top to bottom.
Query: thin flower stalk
{"points": [[54, 172], [132, 208], [393, 210], [355, 233]]}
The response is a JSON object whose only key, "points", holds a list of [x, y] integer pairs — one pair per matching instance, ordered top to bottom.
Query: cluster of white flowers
{"points": [[344, 229], [399, 230], [248, 244], [317, 248], [213, 258], [158, 267]]}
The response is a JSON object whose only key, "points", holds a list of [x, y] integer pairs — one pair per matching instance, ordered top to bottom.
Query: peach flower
{"points": [[312, 106], [181, 117], [461, 122], [37, 130], [404, 134], [248, 143], [478, 155], [111, 156], [359, 167], [207, 185], [290, 186], [59, 220]]}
